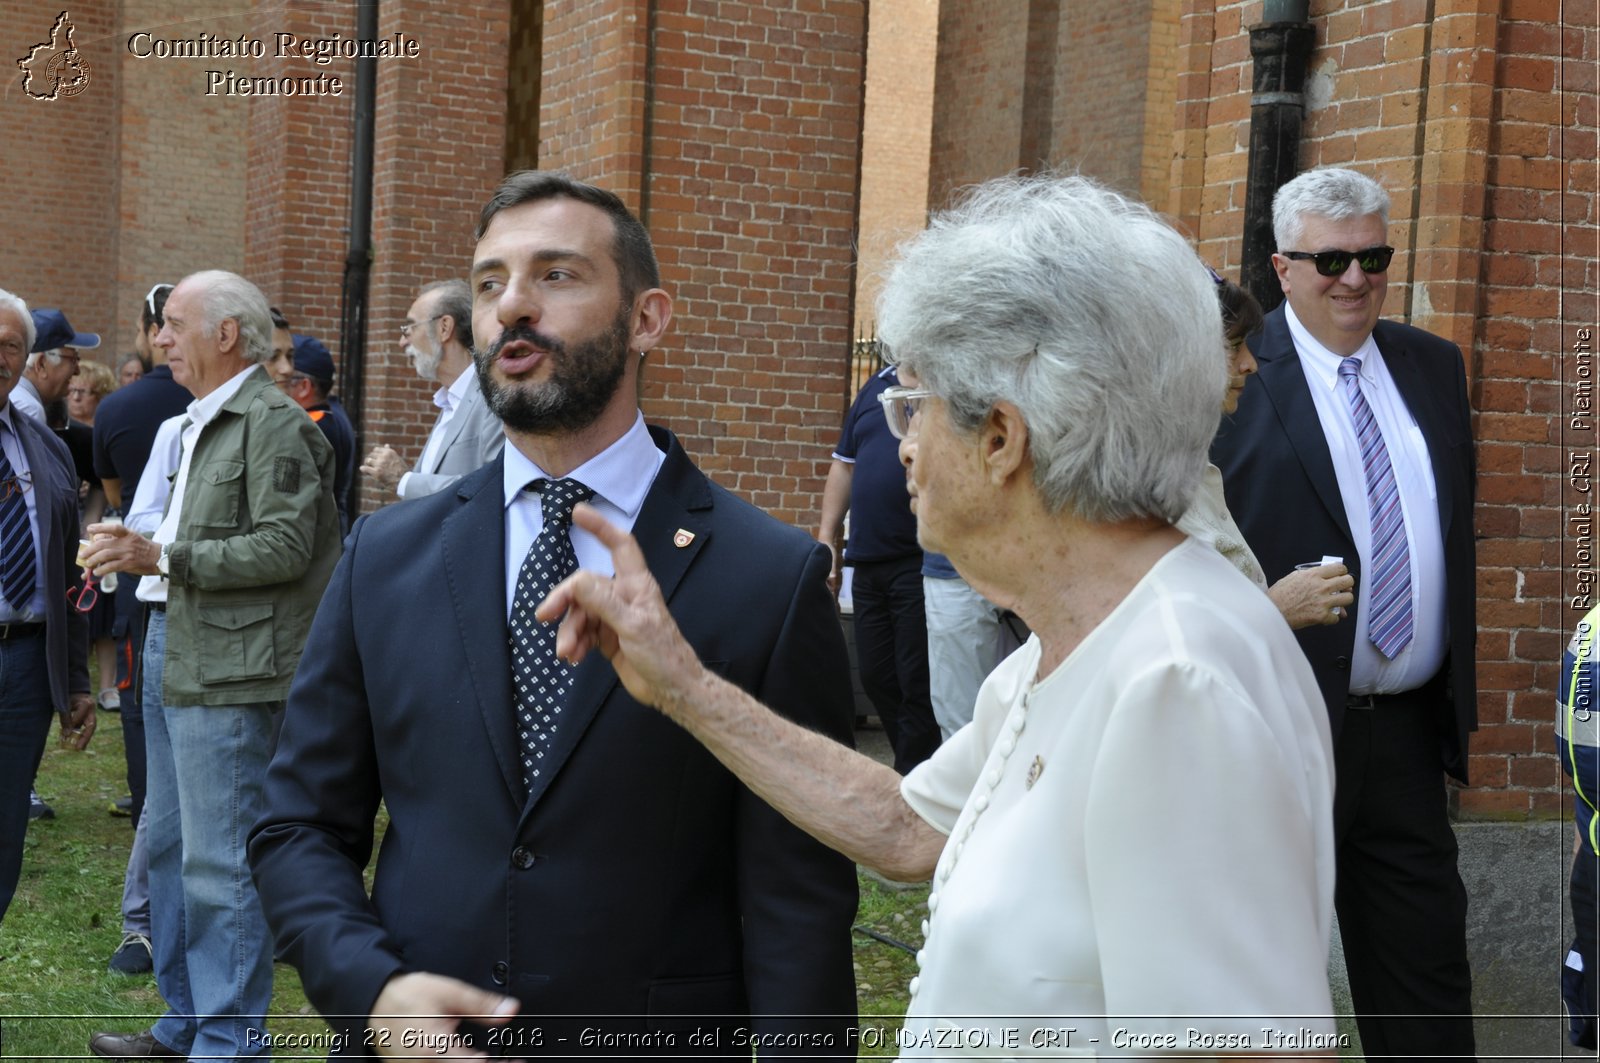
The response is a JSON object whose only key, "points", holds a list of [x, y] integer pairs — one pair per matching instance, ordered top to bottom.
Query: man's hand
{"points": [[384, 466], [118, 548], [835, 573], [1310, 596], [625, 617], [78, 722], [426, 1009]]}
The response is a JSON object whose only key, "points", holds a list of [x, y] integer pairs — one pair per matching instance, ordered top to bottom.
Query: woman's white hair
{"points": [[1329, 192], [225, 295], [17, 305], [1088, 313]]}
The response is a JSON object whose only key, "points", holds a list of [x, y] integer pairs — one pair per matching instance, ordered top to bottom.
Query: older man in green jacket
{"points": [[233, 576]]}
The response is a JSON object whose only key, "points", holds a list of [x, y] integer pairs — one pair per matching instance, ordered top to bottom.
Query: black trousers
{"points": [[892, 653], [1402, 907]]}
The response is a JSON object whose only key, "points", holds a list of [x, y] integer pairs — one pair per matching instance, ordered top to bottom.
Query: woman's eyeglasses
{"points": [[1334, 263], [900, 405], [85, 594]]}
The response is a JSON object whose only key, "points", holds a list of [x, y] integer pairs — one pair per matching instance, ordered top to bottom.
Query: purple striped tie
{"points": [[16, 535], [1389, 618]]}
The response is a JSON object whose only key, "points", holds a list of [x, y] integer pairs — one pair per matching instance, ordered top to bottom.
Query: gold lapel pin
{"points": [[683, 537], [1035, 770]]}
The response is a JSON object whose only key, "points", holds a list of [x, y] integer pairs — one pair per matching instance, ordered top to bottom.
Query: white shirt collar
{"points": [[1321, 363], [447, 399], [201, 411], [612, 474]]}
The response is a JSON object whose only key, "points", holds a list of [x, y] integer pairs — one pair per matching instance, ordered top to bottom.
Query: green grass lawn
{"points": [[66, 921]]}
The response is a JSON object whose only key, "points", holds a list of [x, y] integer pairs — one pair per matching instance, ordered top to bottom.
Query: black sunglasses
{"points": [[1334, 263]]}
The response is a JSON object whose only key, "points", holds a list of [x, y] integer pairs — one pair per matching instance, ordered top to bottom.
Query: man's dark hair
{"points": [[632, 251], [454, 302], [151, 312], [278, 320]]}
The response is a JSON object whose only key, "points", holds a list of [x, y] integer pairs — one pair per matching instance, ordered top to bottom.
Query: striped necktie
{"points": [[16, 537], [1389, 615]]}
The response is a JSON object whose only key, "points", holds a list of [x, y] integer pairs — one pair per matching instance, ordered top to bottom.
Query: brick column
{"points": [[748, 127]]}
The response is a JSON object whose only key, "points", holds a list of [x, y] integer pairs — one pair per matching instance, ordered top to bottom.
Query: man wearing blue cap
{"points": [[51, 364], [306, 376]]}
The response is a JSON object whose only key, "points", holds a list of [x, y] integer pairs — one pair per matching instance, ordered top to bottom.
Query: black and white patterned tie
{"points": [[541, 679]]}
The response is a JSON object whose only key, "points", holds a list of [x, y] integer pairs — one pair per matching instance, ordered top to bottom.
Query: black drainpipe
{"points": [[1281, 47], [358, 257]]}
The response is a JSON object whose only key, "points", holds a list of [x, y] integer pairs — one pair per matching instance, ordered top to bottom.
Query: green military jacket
{"points": [[257, 539]]}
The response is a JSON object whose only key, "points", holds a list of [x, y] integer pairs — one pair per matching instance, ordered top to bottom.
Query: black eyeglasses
{"points": [[1334, 263]]}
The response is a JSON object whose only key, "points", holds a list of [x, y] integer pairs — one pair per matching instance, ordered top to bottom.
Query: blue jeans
{"points": [[24, 725], [213, 954]]}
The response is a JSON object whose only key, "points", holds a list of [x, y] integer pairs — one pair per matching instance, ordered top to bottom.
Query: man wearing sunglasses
{"points": [[1356, 442]]}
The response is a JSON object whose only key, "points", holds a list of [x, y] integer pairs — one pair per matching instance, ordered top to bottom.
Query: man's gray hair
{"points": [[1329, 192], [225, 295], [455, 299], [16, 305], [1088, 313], [50, 357]]}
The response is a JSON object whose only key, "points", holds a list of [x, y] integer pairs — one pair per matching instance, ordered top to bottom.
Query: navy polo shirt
{"points": [[125, 425], [882, 526]]}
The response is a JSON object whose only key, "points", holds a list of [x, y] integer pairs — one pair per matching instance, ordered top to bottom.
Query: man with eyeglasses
{"points": [[437, 337], [1355, 441], [44, 644]]}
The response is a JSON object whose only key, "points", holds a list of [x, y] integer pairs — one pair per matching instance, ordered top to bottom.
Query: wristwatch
{"points": [[161, 562]]}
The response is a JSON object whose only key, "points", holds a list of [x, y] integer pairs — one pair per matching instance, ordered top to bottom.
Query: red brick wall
{"points": [[978, 95], [897, 128], [1485, 138], [439, 153], [180, 160], [297, 189], [749, 193], [60, 224]]}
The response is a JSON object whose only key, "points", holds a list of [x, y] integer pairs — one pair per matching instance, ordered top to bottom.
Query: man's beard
{"points": [[426, 364], [582, 380]]}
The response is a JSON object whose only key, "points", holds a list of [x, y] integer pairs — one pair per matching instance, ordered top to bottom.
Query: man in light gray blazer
{"points": [[437, 335]]}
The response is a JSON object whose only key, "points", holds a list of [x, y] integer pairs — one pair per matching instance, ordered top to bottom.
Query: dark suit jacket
{"points": [[1278, 476], [55, 486], [640, 878]]}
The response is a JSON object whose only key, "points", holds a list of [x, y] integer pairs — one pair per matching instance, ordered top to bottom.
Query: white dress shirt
{"points": [[449, 401], [201, 412], [620, 476], [150, 498], [32, 609], [1370, 671]]}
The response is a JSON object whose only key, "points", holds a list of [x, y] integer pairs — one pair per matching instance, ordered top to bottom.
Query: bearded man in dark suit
{"points": [[554, 848]]}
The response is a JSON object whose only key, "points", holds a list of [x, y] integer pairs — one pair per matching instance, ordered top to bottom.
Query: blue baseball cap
{"points": [[54, 331], [311, 357]]}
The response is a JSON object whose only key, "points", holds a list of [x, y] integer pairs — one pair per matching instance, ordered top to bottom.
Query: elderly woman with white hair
{"points": [[1133, 839]]}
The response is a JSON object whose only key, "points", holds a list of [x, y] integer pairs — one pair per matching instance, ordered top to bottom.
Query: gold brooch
{"points": [[683, 538], [1035, 770]]}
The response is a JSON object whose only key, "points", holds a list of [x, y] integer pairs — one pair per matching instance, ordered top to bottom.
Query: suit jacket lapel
{"points": [[1284, 381], [1418, 396], [458, 420], [679, 501], [473, 539]]}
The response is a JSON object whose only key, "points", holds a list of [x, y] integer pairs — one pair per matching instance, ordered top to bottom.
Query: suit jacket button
{"points": [[1342, 663], [521, 858], [501, 973]]}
